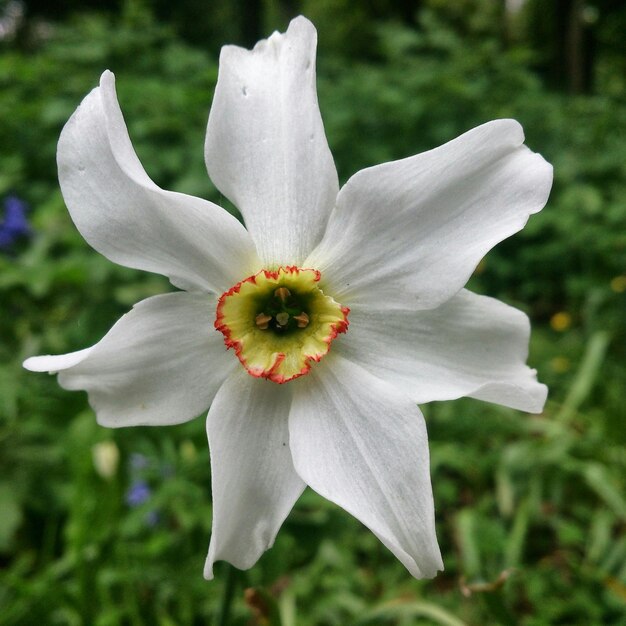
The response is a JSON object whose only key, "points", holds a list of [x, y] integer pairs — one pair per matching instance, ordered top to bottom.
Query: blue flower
{"points": [[14, 224], [138, 493]]}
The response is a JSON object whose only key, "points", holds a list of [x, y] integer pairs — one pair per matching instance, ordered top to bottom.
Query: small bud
{"points": [[282, 293], [302, 319], [262, 321], [106, 456]]}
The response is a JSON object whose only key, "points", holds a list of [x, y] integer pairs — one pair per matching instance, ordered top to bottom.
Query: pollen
{"points": [[280, 322]]}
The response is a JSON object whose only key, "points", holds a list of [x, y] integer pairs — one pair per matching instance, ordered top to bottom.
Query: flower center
{"points": [[283, 312], [280, 322]]}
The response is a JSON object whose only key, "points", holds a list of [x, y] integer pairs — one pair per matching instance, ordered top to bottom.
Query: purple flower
{"points": [[14, 224], [138, 493]]}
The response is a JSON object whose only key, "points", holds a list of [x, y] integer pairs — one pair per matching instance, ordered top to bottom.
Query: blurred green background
{"points": [[101, 527]]}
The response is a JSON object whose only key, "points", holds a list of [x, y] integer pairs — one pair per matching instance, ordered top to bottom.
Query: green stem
{"points": [[227, 597]]}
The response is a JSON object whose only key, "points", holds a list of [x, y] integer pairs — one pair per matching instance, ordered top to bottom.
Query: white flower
{"points": [[389, 254]]}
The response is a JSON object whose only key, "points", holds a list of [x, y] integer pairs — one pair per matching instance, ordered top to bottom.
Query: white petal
{"points": [[266, 149], [126, 217], [411, 232], [469, 346], [56, 363], [161, 363], [361, 444], [254, 483]]}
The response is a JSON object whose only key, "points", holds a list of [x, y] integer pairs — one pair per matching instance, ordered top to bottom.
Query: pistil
{"points": [[282, 318]]}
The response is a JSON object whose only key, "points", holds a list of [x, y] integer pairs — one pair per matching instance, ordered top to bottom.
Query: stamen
{"points": [[282, 293], [282, 318], [302, 319], [262, 321]]}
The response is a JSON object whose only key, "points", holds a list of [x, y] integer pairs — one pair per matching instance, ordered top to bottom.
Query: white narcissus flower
{"points": [[376, 268]]}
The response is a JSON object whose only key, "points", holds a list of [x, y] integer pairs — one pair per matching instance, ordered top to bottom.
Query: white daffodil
{"points": [[376, 270]]}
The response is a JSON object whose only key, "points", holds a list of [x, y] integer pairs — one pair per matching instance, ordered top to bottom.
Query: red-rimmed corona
{"points": [[279, 322]]}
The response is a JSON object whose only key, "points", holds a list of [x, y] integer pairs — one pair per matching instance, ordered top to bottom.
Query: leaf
{"points": [[586, 375], [407, 610]]}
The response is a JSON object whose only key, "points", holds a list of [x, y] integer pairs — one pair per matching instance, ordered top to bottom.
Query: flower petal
{"points": [[266, 149], [127, 218], [411, 232], [469, 346], [161, 363], [361, 444], [254, 483]]}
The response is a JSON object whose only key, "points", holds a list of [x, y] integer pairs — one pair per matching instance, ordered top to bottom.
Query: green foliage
{"points": [[531, 510]]}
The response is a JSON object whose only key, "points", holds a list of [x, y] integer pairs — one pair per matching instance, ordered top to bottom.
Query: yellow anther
{"points": [[282, 293], [282, 318], [302, 319], [262, 321]]}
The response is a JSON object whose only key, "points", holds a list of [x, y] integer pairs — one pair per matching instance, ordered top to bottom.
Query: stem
{"points": [[227, 597]]}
